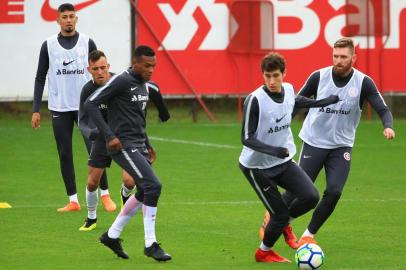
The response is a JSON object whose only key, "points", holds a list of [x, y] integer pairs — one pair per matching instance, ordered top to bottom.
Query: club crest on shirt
{"points": [[353, 92], [347, 156]]}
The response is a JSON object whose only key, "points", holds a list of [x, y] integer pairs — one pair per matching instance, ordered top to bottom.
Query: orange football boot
{"points": [[108, 203], [70, 207], [290, 237], [306, 240], [269, 256]]}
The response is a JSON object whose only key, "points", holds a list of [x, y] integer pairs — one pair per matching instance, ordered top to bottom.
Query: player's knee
{"points": [[129, 183], [91, 186], [130, 186], [156, 187], [152, 192], [332, 195], [139, 196], [313, 198], [281, 216]]}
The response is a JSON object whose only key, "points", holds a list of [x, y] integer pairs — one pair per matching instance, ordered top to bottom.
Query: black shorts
{"points": [[144, 152], [99, 157], [134, 161]]}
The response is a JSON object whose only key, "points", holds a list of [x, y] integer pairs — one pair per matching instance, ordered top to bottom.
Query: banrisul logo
{"points": [[70, 72], [334, 111], [278, 128]]}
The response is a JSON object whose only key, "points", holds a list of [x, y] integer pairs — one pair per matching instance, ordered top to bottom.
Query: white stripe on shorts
{"points": [[132, 164]]}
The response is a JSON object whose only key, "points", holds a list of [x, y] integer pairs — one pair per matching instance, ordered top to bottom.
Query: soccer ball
{"points": [[309, 256]]}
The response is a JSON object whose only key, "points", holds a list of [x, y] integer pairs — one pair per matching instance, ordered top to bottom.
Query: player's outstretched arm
{"points": [[304, 102]]}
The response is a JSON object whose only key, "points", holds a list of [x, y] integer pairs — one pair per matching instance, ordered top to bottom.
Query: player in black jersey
{"points": [[126, 97], [99, 158]]}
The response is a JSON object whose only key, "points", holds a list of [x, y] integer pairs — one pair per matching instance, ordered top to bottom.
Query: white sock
{"points": [[126, 191], [104, 192], [74, 198], [92, 200], [130, 208], [149, 224], [308, 234], [264, 248]]}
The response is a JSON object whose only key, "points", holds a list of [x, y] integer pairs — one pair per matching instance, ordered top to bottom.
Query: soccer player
{"points": [[65, 57], [127, 97], [328, 134], [268, 149], [99, 158]]}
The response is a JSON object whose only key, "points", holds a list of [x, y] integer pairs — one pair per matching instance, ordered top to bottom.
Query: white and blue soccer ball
{"points": [[309, 256]]}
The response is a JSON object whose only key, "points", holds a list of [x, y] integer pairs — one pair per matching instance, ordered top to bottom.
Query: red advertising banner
{"points": [[214, 47]]}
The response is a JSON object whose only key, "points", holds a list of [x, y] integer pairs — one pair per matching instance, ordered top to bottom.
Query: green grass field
{"points": [[208, 214]]}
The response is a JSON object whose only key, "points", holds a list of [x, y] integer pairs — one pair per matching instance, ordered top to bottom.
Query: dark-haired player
{"points": [[64, 58], [127, 98], [268, 149], [99, 159]]}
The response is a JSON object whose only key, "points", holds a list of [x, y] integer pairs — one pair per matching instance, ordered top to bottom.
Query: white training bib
{"points": [[67, 73], [335, 125], [273, 129]]}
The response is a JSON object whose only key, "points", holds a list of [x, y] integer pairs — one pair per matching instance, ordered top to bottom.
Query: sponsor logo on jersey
{"points": [[67, 63], [70, 72], [139, 98], [142, 98], [103, 106], [333, 111], [280, 119], [278, 128]]}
